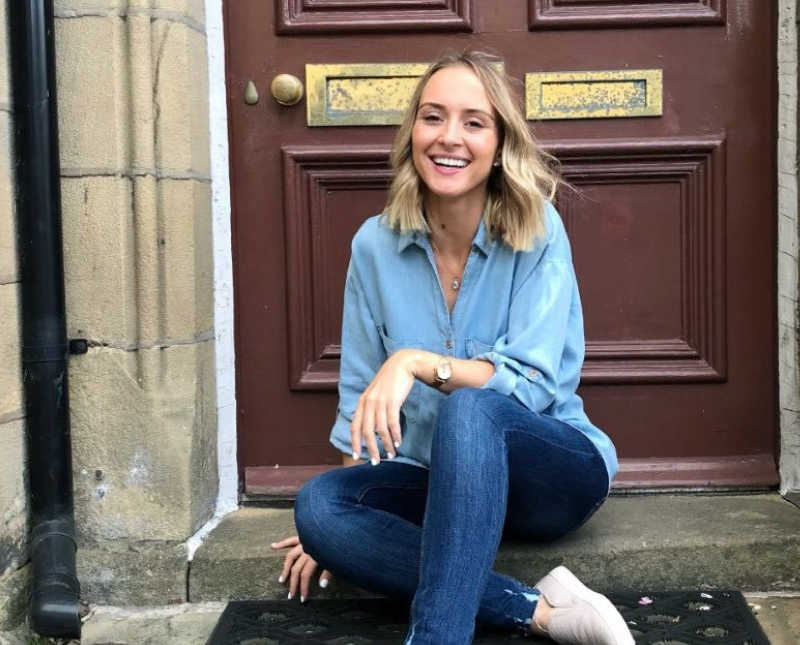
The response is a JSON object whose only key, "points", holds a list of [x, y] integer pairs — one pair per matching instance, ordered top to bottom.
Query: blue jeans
{"points": [[432, 535]]}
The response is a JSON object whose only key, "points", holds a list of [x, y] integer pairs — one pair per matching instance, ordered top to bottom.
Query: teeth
{"points": [[444, 161]]}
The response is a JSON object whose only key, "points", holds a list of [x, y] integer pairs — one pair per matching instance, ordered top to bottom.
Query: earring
{"points": [[496, 164]]}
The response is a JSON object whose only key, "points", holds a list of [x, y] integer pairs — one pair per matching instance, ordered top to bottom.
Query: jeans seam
{"points": [[593, 449], [589, 453], [312, 513]]}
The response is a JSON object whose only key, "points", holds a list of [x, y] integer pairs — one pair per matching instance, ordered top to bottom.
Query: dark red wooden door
{"points": [[673, 224]]}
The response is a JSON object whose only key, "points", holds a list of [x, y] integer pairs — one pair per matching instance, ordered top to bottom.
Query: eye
{"points": [[431, 118], [475, 124]]}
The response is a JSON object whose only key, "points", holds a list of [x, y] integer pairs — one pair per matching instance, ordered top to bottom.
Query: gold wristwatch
{"points": [[442, 372]]}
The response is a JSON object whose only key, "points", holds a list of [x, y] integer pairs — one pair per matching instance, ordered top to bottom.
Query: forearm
{"points": [[465, 373]]}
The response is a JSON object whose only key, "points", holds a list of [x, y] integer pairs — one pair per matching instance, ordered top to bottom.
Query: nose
{"points": [[449, 134]]}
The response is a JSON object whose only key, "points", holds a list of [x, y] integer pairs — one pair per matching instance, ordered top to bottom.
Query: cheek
{"points": [[418, 142], [493, 148], [417, 152]]}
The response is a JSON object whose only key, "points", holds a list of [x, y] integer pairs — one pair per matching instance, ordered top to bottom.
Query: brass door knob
{"points": [[286, 89]]}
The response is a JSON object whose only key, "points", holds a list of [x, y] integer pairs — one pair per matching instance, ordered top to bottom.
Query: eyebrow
{"points": [[442, 107]]}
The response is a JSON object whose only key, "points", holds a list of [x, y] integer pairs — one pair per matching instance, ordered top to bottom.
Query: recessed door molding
{"points": [[571, 14]]}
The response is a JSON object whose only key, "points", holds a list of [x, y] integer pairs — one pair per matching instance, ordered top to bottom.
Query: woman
{"points": [[462, 343]]}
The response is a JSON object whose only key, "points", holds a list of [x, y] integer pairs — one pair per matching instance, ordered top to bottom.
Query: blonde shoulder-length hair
{"points": [[517, 189]]}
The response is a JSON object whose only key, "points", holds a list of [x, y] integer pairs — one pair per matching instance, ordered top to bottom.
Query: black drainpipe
{"points": [[55, 589]]}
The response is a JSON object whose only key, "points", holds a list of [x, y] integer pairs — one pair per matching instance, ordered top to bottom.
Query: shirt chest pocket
{"points": [[392, 345], [477, 347]]}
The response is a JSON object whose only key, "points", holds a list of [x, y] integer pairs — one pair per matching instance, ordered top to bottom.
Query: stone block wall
{"points": [[133, 130], [136, 211], [13, 473]]}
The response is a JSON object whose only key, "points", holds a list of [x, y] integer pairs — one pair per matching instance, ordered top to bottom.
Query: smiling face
{"points": [[455, 137]]}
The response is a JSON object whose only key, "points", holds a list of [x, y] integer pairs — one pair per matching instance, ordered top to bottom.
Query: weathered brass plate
{"points": [[361, 93], [594, 95]]}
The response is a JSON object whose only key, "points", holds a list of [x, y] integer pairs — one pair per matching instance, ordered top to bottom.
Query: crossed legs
{"points": [[432, 536]]}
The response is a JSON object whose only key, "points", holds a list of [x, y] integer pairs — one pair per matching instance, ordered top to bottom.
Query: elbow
{"points": [[537, 395]]}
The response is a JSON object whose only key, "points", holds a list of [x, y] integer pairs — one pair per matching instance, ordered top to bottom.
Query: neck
{"points": [[453, 224]]}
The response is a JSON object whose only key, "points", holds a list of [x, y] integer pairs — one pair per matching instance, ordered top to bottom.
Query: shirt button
{"points": [[449, 344], [533, 373]]}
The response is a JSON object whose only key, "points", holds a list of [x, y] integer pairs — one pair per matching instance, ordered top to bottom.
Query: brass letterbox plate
{"points": [[360, 93], [593, 95]]}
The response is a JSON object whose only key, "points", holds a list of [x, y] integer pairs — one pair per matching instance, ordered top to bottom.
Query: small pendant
{"points": [[455, 284]]}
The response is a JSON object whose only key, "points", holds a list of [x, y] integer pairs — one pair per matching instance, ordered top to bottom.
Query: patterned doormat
{"points": [[660, 618]]}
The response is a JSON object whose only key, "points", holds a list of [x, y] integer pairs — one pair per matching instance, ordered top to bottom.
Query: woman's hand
{"points": [[378, 411], [298, 567]]}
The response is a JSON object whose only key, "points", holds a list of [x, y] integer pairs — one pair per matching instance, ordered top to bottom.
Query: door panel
{"points": [[672, 220]]}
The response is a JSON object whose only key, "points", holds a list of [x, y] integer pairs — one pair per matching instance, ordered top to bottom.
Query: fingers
{"points": [[375, 418], [394, 426], [382, 428], [355, 430], [368, 431], [289, 541], [289, 561], [299, 568], [306, 572], [301, 573], [324, 578]]}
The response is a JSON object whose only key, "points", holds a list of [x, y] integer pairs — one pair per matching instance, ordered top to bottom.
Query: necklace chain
{"points": [[455, 283]]}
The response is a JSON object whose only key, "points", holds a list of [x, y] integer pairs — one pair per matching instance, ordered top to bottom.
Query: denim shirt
{"points": [[520, 310]]}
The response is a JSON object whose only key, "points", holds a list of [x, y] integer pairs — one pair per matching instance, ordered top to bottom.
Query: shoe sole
{"points": [[602, 605]]}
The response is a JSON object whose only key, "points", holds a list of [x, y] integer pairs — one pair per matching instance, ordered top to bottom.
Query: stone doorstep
{"points": [[636, 542]]}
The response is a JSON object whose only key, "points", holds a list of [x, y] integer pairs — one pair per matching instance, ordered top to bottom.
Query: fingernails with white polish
{"points": [[396, 444], [391, 455], [356, 456], [374, 461], [281, 579], [323, 582], [289, 597], [302, 598]]}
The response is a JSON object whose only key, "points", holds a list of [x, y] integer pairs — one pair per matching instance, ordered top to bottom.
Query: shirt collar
{"points": [[482, 239]]}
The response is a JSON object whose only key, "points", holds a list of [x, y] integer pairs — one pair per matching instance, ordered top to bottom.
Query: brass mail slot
{"points": [[360, 93], [594, 95]]}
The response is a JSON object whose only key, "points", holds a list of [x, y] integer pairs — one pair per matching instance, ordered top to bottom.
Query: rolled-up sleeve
{"points": [[362, 355], [527, 358]]}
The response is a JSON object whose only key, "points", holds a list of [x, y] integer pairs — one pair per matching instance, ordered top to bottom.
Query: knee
{"points": [[467, 406], [466, 412], [309, 505]]}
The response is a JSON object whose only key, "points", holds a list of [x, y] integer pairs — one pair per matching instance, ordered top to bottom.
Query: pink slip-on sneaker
{"points": [[581, 616]]}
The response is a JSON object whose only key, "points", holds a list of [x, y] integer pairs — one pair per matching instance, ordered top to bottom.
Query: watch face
{"points": [[444, 370]]}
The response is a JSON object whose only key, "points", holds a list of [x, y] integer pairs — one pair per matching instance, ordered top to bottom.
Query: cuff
{"points": [[504, 379], [514, 379], [340, 434]]}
